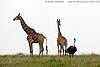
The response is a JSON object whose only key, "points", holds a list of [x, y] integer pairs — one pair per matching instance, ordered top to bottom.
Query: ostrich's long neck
{"points": [[24, 25], [59, 33], [74, 43]]}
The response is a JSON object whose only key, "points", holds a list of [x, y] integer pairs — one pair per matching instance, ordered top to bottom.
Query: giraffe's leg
{"points": [[41, 41], [30, 45], [41, 47], [58, 48], [31, 49], [39, 50], [42, 50], [60, 51], [63, 51], [42, 53]]}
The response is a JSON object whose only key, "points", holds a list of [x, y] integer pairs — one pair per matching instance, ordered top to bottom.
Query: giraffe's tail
{"points": [[46, 46]]}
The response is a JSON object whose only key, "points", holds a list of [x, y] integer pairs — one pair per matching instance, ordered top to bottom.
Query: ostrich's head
{"points": [[17, 17], [74, 39]]}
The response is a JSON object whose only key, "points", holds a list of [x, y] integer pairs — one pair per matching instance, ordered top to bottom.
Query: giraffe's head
{"points": [[17, 17], [58, 22]]}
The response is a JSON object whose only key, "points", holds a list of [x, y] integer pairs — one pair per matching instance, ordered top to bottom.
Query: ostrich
{"points": [[72, 49]]}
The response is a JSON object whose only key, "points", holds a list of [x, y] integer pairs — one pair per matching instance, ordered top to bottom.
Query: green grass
{"points": [[21, 60]]}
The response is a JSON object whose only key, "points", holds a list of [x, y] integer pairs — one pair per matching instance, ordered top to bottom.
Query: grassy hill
{"points": [[21, 60]]}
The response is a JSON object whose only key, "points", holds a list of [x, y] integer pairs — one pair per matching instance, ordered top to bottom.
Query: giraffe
{"points": [[33, 36], [61, 40]]}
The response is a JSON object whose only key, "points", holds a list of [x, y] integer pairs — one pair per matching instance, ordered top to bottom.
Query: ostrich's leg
{"points": [[69, 54], [72, 55]]}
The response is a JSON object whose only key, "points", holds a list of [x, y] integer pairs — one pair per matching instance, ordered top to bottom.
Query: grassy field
{"points": [[21, 60]]}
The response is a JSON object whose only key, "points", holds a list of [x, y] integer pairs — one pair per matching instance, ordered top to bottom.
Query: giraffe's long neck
{"points": [[26, 28], [59, 33]]}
